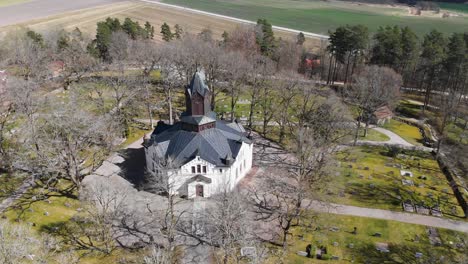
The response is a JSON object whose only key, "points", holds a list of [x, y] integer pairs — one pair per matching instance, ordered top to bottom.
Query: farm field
{"points": [[11, 2], [320, 17], [86, 20], [370, 177], [335, 233]]}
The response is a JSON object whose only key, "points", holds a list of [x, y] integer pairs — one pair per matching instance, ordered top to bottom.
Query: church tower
{"points": [[198, 115]]}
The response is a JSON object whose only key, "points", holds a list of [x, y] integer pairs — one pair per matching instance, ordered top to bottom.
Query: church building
{"points": [[199, 155]]}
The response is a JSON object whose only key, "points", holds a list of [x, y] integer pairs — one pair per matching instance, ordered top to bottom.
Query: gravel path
{"points": [[394, 138], [391, 215]]}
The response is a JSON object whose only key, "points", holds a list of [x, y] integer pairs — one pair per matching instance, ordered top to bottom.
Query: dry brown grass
{"points": [[86, 20]]}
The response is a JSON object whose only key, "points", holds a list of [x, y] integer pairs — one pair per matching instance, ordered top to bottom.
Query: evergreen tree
{"points": [[133, 29], [149, 30], [178, 31], [166, 32], [36, 37], [225, 37], [265, 37], [103, 38], [300, 38], [63, 41], [387, 49], [409, 52], [433, 54], [456, 62]]}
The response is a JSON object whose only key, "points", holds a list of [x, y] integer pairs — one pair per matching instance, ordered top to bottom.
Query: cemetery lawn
{"points": [[409, 133], [369, 177], [8, 184], [399, 236]]}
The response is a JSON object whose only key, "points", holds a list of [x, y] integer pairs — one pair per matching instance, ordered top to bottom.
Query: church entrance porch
{"points": [[199, 190]]}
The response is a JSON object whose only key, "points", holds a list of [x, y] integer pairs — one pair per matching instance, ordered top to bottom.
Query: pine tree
{"points": [[149, 31], [178, 31], [166, 32], [225, 37], [265, 37], [300, 39]]}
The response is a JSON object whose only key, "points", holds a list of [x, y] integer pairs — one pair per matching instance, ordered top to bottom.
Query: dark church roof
{"points": [[197, 85], [215, 141], [212, 145]]}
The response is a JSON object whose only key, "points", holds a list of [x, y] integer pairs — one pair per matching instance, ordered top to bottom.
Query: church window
{"points": [[198, 168], [193, 169], [204, 169]]}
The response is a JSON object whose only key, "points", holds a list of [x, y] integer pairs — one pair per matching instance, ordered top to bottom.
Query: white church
{"points": [[207, 155]]}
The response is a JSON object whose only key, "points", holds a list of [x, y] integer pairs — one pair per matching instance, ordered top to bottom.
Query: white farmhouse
{"points": [[207, 155]]}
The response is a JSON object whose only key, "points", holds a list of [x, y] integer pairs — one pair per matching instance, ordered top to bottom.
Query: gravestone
{"points": [[408, 206], [422, 209], [377, 234], [434, 237], [382, 247], [248, 252], [418, 254]]}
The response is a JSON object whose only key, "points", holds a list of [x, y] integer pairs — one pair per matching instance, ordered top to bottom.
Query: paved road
{"points": [[14, 14]]}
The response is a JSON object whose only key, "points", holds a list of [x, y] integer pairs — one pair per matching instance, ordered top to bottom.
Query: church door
{"points": [[199, 190]]}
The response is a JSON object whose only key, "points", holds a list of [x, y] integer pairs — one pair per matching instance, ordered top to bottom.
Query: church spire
{"points": [[197, 96]]}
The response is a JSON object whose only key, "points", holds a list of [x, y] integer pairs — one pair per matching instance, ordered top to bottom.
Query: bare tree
{"points": [[372, 88], [70, 143], [19, 243]]}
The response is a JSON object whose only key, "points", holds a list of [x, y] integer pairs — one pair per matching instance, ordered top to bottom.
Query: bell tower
{"points": [[198, 115]]}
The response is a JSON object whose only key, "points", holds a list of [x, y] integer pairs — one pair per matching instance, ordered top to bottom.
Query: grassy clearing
{"points": [[320, 17], [407, 132], [372, 135], [369, 177], [401, 237]]}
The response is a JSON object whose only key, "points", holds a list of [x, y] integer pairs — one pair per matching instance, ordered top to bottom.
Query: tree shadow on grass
{"points": [[41, 191]]}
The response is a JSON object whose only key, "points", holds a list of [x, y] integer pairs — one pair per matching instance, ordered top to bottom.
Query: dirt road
{"points": [[18, 13]]}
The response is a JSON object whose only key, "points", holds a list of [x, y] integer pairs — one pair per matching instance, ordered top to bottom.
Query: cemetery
{"points": [[406, 181], [348, 239]]}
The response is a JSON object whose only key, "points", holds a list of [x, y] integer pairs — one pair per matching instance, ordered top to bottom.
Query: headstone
{"points": [[350, 166], [366, 168], [68, 205], [408, 206], [422, 209], [46, 213], [334, 229], [377, 234], [434, 238], [335, 244], [350, 245], [382, 247], [308, 250], [248, 252], [302, 253], [418, 254], [335, 257]]}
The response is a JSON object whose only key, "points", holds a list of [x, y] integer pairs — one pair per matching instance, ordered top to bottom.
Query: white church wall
{"points": [[221, 177]]}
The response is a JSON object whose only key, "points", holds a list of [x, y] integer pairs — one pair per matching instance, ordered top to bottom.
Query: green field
{"points": [[454, 7], [321, 16], [409, 133]]}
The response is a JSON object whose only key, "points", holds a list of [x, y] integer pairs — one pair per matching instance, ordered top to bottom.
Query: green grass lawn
{"points": [[322, 16], [409, 133], [373, 135], [368, 177], [402, 239]]}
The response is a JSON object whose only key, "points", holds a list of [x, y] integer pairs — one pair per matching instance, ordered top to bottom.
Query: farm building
{"points": [[382, 115], [199, 155]]}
